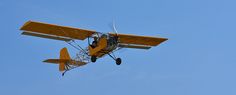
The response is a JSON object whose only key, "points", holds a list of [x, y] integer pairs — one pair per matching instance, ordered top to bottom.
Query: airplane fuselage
{"points": [[105, 44]]}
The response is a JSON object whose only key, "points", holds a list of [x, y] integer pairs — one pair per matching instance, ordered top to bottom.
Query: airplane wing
{"points": [[55, 32], [145, 41], [134, 46]]}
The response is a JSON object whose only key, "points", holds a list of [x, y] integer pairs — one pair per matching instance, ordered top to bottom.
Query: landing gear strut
{"points": [[118, 60]]}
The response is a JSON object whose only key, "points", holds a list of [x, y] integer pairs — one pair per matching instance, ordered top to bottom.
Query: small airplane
{"points": [[99, 44]]}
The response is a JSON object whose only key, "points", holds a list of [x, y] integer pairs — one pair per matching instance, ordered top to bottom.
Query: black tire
{"points": [[93, 58], [118, 61]]}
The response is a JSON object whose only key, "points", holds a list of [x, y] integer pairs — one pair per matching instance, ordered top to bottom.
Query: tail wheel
{"points": [[93, 58], [118, 61]]}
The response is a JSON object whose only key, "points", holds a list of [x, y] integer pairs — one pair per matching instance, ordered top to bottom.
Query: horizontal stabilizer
{"points": [[56, 61], [69, 62]]}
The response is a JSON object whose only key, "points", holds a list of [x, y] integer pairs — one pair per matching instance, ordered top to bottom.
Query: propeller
{"points": [[114, 28]]}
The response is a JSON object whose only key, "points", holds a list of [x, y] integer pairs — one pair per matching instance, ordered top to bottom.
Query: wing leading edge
{"points": [[56, 32]]}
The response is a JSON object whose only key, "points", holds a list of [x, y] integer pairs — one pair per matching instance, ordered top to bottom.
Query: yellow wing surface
{"points": [[56, 32], [136, 41]]}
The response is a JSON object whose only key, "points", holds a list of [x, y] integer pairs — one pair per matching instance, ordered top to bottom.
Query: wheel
{"points": [[93, 58], [118, 61]]}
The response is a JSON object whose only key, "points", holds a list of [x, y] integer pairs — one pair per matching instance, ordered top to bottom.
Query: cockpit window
{"points": [[104, 36]]}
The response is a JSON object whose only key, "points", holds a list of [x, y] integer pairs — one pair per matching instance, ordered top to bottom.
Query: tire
{"points": [[93, 59], [118, 61]]}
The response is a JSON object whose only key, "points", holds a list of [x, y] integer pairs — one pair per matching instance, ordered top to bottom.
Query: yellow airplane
{"points": [[99, 44]]}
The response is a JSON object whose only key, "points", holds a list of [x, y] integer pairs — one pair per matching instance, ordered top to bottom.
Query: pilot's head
{"points": [[104, 36], [95, 38]]}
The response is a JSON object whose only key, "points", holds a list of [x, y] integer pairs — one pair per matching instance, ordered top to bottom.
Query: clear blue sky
{"points": [[198, 59]]}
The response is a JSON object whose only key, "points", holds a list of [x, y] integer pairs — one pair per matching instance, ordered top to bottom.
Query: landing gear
{"points": [[93, 58], [118, 61]]}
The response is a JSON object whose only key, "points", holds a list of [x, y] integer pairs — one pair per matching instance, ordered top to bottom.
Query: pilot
{"points": [[94, 43]]}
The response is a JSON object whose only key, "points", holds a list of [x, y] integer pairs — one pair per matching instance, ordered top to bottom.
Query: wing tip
{"points": [[25, 24], [165, 39], [162, 40]]}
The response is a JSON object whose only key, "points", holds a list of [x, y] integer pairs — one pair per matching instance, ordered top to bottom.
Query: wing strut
{"points": [[72, 40], [78, 48]]}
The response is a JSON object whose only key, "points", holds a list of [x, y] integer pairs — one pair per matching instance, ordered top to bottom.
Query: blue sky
{"points": [[198, 59]]}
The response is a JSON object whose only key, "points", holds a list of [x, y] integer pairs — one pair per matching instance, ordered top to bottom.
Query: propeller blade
{"points": [[114, 27]]}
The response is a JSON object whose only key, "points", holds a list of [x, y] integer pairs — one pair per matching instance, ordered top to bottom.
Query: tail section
{"points": [[64, 55], [65, 60], [62, 61]]}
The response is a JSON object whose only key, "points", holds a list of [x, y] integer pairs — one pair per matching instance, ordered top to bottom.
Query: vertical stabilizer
{"points": [[64, 55]]}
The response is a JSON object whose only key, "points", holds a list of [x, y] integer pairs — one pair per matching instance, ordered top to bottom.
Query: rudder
{"points": [[64, 55]]}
